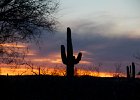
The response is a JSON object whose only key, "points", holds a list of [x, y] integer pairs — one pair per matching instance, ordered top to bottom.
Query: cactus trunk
{"points": [[69, 45], [69, 60], [70, 65], [38, 70], [133, 70], [70, 71], [128, 73]]}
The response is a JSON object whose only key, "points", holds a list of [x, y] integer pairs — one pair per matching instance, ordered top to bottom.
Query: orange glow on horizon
{"points": [[52, 71]]}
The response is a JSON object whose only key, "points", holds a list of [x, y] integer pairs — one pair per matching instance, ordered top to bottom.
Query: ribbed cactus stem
{"points": [[69, 45], [69, 60], [38, 70], [130, 70], [133, 70], [128, 73]]}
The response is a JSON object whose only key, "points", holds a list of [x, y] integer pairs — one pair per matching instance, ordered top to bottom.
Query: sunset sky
{"points": [[105, 31]]}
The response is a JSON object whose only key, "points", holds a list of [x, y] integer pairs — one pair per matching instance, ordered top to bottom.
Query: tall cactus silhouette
{"points": [[69, 60], [131, 71]]}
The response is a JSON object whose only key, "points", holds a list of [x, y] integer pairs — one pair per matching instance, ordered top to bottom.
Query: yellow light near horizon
{"points": [[14, 71], [53, 71], [93, 73]]}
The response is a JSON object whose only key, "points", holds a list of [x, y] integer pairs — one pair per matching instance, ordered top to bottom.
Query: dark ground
{"points": [[62, 88]]}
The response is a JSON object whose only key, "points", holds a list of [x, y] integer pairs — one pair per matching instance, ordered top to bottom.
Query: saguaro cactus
{"points": [[69, 60], [39, 71], [128, 71], [131, 71]]}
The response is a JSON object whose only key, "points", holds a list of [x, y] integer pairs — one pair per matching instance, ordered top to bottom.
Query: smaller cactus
{"points": [[39, 71], [131, 71], [128, 73]]}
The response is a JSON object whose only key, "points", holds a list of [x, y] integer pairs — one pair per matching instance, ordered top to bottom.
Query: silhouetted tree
{"points": [[22, 21], [13, 54], [31, 66], [97, 68], [118, 69]]}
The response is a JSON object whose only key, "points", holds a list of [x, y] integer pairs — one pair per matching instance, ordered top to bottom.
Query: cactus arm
{"points": [[63, 55], [78, 58]]}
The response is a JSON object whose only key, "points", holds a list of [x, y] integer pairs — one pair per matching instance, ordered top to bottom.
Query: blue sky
{"points": [[122, 8], [106, 31]]}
